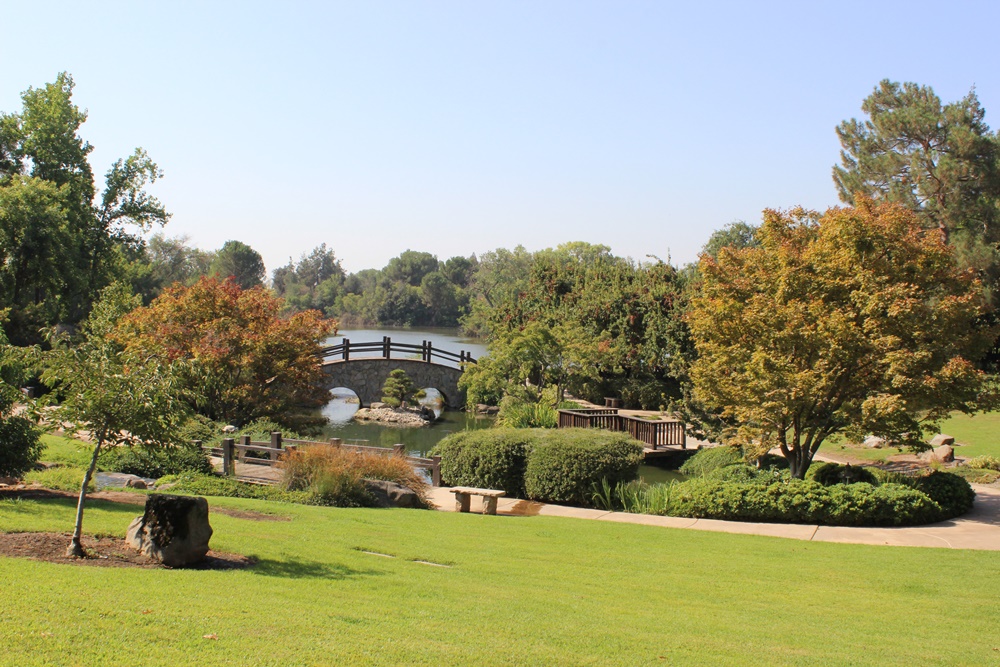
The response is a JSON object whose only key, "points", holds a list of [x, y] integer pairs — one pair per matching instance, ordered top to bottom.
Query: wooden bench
{"points": [[463, 498]]}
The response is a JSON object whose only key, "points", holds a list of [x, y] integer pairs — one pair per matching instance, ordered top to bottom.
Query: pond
{"points": [[419, 441]]}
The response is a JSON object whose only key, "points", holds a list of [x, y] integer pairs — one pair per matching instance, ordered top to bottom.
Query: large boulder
{"points": [[941, 439], [942, 454], [390, 494], [174, 530]]}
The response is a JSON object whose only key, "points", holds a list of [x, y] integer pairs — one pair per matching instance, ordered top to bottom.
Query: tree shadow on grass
{"points": [[297, 568]]}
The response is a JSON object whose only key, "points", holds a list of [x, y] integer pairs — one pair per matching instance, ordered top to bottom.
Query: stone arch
{"points": [[365, 376]]}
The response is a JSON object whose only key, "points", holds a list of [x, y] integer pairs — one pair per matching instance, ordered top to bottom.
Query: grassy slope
{"points": [[522, 591]]}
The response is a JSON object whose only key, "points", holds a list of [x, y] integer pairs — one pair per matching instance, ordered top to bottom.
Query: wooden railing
{"points": [[385, 348], [655, 433], [232, 451]]}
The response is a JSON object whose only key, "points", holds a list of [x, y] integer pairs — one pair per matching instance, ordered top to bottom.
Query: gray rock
{"points": [[378, 405], [483, 409], [229, 429], [942, 439], [942, 454], [120, 480], [135, 484], [390, 494], [174, 530]]}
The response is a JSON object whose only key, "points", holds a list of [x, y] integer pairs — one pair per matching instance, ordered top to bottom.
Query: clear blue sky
{"points": [[460, 127]]}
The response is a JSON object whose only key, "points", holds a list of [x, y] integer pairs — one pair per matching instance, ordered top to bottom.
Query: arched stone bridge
{"points": [[365, 376]]}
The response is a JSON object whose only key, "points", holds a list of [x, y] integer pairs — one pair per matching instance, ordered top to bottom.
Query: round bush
{"points": [[20, 446], [489, 458], [711, 458], [566, 464], [829, 474], [951, 492]]}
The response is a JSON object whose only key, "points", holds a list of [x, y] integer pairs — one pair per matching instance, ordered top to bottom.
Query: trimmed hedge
{"points": [[488, 458], [540, 464], [567, 464], [951, 492], [804, 501]]}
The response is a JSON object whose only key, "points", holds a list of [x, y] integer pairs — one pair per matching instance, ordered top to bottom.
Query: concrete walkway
{"points": [[979, 529]]}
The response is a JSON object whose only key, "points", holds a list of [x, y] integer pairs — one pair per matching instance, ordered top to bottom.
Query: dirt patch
{"points": [[126, 497], [102, 552]]}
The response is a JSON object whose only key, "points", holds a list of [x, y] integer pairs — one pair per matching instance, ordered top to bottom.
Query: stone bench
{"points": [[463, 498]]}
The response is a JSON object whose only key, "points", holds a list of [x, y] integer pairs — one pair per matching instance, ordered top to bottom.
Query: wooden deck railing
{"points": [[385, 348], [655, 433], [232, 451]]}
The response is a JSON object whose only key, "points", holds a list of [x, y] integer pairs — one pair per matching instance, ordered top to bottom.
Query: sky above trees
{"points": [[456, 127]]}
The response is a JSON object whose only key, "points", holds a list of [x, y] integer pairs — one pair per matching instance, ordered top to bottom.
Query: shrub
{"points": [[397, 388], [200, 428], [20, 446], [489, 458], [711, 458], [155, 461], [985, 462], [566, 464], [737, 473], [829, 474], [890, 477], [62, 479], [951, 492], [633, 497], [803, 501]]}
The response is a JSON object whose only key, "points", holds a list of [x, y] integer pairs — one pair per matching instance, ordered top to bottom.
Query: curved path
{"points": [[979, 529]]}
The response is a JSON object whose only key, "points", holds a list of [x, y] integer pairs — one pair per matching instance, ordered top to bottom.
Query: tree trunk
{"points": [[75, 549]]}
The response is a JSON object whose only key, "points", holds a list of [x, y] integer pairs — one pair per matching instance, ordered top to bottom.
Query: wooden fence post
{"points": [[386, 342], [347, 349], [336, 442], [275, 444], [399, 449], [241, 454], [228, 464], [436, 471]]}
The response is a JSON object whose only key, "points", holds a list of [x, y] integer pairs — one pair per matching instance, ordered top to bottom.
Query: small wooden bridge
{"points": [[426, 351], [659, 434]]}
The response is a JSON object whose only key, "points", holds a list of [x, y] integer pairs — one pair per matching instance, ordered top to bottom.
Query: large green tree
{"points": [[61, 241], [240, 262], [855, 321]]}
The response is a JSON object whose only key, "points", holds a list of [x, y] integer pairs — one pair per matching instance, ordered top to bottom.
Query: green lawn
{"points": [[976, 436], [59, 449], [520, 591]]}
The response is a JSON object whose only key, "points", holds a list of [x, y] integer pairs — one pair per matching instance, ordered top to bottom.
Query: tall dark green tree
{"points": [[941, 161], [241, 262]]}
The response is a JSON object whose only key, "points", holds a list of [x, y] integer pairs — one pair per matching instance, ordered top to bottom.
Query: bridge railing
{"points": [[386, 347], [655, 433], [269, 453]]}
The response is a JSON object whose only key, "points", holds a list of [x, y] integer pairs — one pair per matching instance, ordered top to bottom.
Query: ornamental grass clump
{"points": [[335, 475]]}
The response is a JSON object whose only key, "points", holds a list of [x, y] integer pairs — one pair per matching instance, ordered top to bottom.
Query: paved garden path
{"points": [[979, 529]]}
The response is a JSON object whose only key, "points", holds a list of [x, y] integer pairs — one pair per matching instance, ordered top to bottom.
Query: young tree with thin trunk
{"points": [[855, 322], [119, 397]]}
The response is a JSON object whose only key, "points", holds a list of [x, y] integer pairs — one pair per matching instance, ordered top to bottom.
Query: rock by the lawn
{"points": [[483, 409], [229, 429], [942, 439], [875, 442], [942, 454], [121, 480], [136, 484], [390, 494], [174, 530]]}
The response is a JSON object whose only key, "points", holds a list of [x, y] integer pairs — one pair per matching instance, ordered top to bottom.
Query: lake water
{"points": [[419, 441]]}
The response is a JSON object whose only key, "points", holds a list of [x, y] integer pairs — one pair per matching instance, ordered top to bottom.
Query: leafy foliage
{"points": [[61, 243], [834, 323], [243, 360], [398, 388], [20, 446], [488, 458], [708, 459], [155, 462], [568, 463], [829, 474]]}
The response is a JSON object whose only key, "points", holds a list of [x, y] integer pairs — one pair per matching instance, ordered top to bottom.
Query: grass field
{"points": [[975, 436], [519, 591]]}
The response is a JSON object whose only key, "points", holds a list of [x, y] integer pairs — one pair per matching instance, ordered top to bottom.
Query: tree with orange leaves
{"points": [[855, 322], [245, 361]]}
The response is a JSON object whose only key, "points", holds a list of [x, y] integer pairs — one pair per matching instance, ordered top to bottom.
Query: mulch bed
{"points": [[108, 551], [102, 552]]}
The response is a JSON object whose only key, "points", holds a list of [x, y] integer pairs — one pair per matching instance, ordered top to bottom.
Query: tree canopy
{"points": [[854, 321]]}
